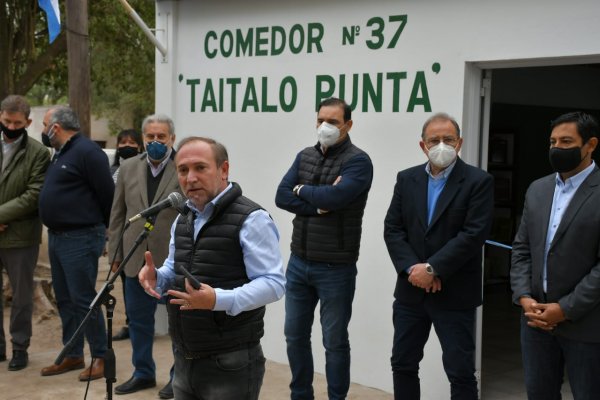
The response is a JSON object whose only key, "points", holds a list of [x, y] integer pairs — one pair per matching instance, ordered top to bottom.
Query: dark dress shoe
{"points": [[122, 334], [18, 361], [67, 364], [94, 371], [134, 384], [167, 391]]}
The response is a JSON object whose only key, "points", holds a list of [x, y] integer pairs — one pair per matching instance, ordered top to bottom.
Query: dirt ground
{"points": [[46, 344]]}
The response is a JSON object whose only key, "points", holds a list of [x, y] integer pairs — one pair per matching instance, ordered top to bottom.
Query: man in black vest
{"points": [[327, 188], [231, 246]]}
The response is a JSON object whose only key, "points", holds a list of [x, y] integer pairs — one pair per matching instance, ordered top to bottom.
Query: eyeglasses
{"points": [[151, 137], [449, 140]]}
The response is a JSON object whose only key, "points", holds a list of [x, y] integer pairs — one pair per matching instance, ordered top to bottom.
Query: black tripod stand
{"points": [[105, 298]]}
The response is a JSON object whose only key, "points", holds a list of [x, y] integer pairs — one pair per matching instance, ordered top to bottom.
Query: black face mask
{"points": [[12, 133], [46, 139], [127, 152], [565, 160]]}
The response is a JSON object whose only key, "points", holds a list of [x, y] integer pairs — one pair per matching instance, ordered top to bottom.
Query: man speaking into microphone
{"points": [[144, 180], [175, 199], [230, 245]]}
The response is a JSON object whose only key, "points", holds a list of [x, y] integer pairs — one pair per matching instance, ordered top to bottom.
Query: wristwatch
{"points": [[296, 189], [429, 269]]}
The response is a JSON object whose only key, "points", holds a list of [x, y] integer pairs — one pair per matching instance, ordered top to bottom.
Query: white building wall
{"points": [[262, 145]]}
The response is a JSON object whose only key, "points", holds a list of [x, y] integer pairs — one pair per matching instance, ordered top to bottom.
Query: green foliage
{"points": [[26, 57], [122, 58], [52, 86]]}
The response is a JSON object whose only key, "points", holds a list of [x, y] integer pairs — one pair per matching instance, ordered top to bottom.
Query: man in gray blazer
{"points": [[143, 180], [555, 274]]}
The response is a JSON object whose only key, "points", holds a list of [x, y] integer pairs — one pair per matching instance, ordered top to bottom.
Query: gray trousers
{"points": [[19, 264]]}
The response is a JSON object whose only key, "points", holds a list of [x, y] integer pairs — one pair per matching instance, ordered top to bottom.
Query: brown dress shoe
{"points": [[67, 364], [94, 371]]}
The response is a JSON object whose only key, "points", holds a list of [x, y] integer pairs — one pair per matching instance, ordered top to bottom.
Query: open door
{"points": [[516, 109]]}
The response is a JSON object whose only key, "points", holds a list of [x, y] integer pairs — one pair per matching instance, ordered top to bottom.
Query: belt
{"points": [[75, 229]]}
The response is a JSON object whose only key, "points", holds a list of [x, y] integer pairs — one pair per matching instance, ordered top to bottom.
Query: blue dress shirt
{"points": [[435, 186], [563, 194], [259, 239]]}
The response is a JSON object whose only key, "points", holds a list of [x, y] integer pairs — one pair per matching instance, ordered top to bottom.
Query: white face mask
{"points": [[328, 134], [441, 155]]}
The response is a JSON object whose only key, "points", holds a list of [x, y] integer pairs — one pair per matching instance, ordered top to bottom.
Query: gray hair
{"points": [[15, 103], [441, 116], [65, 117], [159, 118]]}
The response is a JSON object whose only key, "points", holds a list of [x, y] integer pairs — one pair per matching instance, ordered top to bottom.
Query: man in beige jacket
{"points": [[143, 180]]}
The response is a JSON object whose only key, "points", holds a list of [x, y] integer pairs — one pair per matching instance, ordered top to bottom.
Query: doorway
{"points": [[523, 103]]}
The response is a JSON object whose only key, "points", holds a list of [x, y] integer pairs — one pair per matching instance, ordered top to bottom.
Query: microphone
{"points": [[173, 200]]}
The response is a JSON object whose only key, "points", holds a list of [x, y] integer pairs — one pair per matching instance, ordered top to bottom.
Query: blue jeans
{"points": [[74, 265], [333, 285], [140, 308], [455, 330], [544, 358], [236, 375]]}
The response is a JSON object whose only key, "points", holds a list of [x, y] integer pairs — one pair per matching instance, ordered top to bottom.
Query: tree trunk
{"points": [[5, 56], [79, 62]]}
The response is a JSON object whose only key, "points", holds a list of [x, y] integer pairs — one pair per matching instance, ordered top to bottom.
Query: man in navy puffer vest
{"points": [[327, 188], [231, 246]]}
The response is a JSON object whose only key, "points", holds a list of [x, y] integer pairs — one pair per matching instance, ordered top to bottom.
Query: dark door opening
{"points": [[524, 102]]}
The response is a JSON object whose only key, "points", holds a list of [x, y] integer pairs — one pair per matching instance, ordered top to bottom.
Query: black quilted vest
{"points": [[333, 237], [216, 259]]}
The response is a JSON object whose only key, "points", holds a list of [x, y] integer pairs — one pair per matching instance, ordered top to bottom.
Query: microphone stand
{"points": [[105, 298]]}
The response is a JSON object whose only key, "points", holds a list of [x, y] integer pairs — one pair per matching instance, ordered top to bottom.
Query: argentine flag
{"points": [[52, 15]]}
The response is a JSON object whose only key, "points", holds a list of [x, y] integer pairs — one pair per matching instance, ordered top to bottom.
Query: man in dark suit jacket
{"points": [[437, 223], [555, 274]]}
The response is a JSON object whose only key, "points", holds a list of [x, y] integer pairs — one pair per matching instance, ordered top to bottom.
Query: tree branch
{"points": [[41, 64]]}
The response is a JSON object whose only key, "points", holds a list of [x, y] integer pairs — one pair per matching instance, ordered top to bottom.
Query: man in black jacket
{"points": [[75, 206], [436, 225]]}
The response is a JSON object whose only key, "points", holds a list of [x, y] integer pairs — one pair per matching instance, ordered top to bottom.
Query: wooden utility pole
{"points": [[78, 54]]}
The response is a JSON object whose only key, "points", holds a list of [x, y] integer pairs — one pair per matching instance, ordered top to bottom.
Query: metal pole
{"points": [[138, 20]]}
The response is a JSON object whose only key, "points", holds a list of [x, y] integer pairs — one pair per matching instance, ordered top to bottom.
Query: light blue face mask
{"points": [[156, 150]]}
